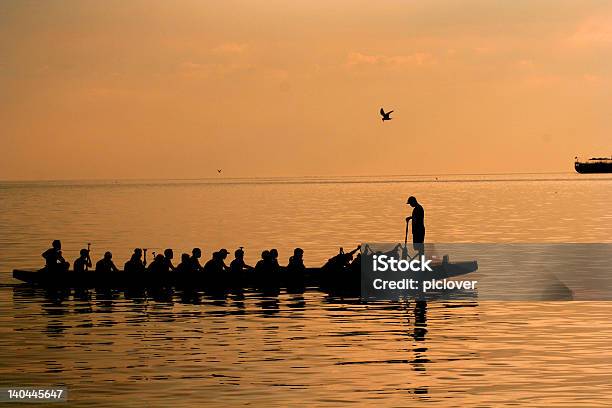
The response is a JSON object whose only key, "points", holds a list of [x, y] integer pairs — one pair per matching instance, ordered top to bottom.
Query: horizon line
{"points": [[281, 177]]}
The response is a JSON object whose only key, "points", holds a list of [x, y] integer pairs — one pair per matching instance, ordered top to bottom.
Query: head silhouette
{"points": [[412, 201], [57, 244], [84, 252], [138, 252], [196, 252], [298, 252], [168, 253], [239, 253], [274, 253], [222, 254], [108, 255], [265, 255], [184, 257], [159, 258]]}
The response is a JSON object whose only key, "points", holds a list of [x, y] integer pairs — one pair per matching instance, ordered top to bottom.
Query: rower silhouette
{"points": [[196, 254], [54, 261], [83, 262], [106, 263], [135, 264], [185, 265]]}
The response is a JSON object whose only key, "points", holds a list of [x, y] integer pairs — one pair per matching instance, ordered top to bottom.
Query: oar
{"points": [[405, 248], [88, 255]]}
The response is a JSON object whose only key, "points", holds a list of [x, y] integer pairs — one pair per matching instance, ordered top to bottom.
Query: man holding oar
{"points": [[418, 225]]}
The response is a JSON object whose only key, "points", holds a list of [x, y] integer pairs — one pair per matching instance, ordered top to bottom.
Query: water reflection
{"points": [[298, 348]]}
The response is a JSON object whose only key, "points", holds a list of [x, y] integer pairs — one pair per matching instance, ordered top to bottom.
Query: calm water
{"points": [[110, 349]]}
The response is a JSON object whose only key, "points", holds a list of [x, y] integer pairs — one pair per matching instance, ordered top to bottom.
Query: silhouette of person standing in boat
{"points": [[418, 224], [54, 261], [83, 262], [106, 264], [135, 264]]}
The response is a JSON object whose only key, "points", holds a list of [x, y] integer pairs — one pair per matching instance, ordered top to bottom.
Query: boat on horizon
{"points": [[593, 165]]}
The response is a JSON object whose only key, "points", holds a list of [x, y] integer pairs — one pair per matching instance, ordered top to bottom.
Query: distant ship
{"points": [[594, 165]]}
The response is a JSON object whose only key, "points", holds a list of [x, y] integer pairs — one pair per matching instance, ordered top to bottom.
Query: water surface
{"points": [[176, 350]]}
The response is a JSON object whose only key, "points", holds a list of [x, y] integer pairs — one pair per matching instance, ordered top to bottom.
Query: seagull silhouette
{"points": [[385, 116], [218, 170]]}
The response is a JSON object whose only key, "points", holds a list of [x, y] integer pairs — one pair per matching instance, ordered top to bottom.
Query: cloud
{"points": [[593, 31], [356, 59], [192, 69]]}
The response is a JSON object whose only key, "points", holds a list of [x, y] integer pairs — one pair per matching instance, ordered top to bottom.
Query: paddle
{"points": [[405, 248], [88, 256], [145, 256]]}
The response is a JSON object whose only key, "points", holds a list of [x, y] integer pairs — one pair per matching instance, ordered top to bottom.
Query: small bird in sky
{"points": [[385, 116], [218, 170]]}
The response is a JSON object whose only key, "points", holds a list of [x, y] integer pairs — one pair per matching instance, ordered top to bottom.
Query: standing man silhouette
{"points": [[418, 224]]}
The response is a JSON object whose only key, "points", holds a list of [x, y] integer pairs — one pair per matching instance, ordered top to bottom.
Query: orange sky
{"points": [[155, 89]]}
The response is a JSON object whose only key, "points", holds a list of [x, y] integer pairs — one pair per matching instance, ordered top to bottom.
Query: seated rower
{"points": [[196, 254], [168, 255], [274, 257], [342, 260], [54, 261], [296, 262], [83, 263], [106, 264], [135, 264], [158, 264], [216, 264], [185, 265], [238, 266], [266, 267], [294, 274]]}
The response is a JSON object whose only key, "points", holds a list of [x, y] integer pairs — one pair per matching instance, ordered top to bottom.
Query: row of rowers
{"points": [[189, 263]]}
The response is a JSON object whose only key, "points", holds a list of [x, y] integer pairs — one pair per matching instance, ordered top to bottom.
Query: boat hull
{"points": [[593, 168], [313, 277]]}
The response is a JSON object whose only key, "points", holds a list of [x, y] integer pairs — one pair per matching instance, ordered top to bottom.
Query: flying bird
{"points": [[385, 116], [218, 170]]}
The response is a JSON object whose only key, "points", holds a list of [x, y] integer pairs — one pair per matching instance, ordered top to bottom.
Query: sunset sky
{"points": [[177, 89]]}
